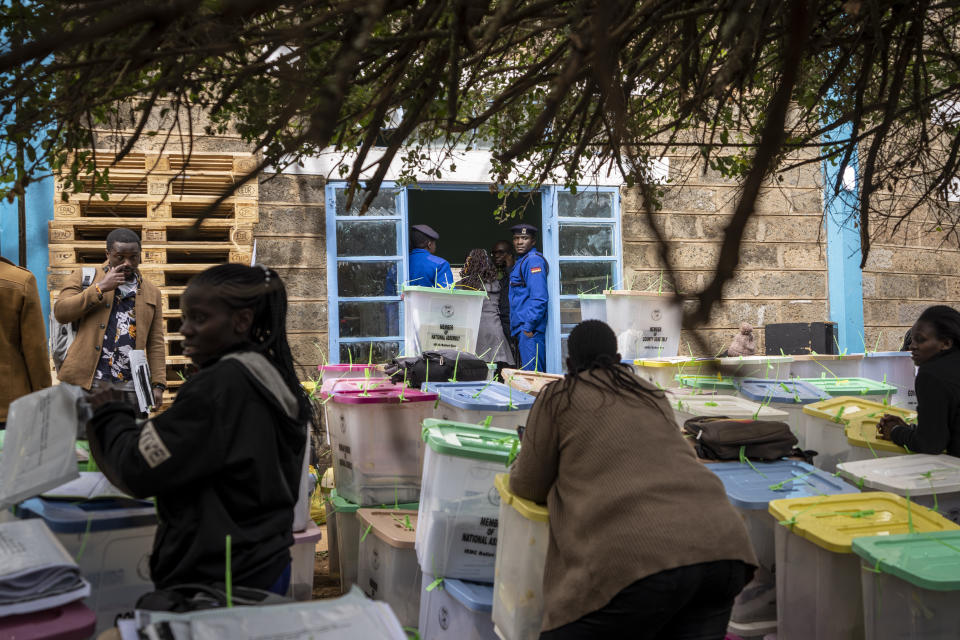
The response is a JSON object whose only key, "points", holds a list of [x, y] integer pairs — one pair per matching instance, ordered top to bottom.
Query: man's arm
{"points": [[536, 278], [75, 302], [32, 336]]}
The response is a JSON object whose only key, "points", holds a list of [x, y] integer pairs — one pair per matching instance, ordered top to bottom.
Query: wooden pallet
{"points": [[160, 196], [143, 209]]}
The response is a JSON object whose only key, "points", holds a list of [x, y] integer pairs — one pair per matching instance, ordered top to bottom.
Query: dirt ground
{"points": [[324, 586]]}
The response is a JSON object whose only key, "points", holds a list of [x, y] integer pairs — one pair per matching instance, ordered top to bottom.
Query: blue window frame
{"points": [[583, 236], [367, 262]]}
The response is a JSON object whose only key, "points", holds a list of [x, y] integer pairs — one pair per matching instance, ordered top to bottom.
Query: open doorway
{"points": [[464, 219]]}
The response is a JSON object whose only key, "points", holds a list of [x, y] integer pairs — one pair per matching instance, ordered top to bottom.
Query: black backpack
{"points": [[441, 365], [729, 439]]}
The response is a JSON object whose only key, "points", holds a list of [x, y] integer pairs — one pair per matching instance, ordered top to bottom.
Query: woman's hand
{"points": [[105, 396], [886, 425]]}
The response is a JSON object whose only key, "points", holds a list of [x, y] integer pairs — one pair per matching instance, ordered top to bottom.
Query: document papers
{"points": [[36, 572]]}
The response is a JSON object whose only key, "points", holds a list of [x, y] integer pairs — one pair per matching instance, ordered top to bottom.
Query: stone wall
{"points": [[291, 238], [907, 271], [782, 275]]}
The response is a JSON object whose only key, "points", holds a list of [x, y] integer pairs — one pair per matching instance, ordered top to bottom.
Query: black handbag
{"points": [[442, 365]]}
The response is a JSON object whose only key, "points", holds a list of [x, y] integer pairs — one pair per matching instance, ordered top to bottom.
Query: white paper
{"points": [[140, 370], [39, 450], [90, 485], [36, 572], [351, 616]]}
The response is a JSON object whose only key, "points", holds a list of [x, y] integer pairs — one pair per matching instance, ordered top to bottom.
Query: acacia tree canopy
{"points": [[551, 87]]}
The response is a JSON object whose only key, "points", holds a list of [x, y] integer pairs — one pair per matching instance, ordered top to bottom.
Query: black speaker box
{"points": [[800, 338]]}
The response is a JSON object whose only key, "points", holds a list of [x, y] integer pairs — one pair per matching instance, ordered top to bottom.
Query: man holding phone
{"points": [[118, 313]]}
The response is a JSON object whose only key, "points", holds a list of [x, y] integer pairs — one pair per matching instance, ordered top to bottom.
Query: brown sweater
{"points": [[627, 498]]}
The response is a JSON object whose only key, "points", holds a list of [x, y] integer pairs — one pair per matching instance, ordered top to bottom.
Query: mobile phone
{"points": [[520, 430]]}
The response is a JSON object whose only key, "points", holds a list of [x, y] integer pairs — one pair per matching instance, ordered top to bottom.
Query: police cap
{"points": [[524, 229], [426, 230]]}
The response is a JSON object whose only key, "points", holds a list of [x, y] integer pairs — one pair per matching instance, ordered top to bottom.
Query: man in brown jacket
{"points": [[119, 312], [24, 363]]}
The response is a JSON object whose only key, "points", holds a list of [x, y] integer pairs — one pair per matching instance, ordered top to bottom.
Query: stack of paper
{"points": [[39, 449], [91, 485], [36, 572], [349, 617]]}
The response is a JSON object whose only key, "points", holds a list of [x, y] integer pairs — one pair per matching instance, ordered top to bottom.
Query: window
{"points": [[588, 253], [366, 260]]}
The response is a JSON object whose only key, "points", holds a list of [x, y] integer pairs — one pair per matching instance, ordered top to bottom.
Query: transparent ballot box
{"points": [[435, 318], [647, 324], [826, 365], [756, 366], [895, 368], [662, 372], [531, 382], [788, 395], [490, 403], [732, 407], [825, 426], [377, 450], [932, 481], [750, 488], [459, 506], [116, 539], [343, 540], [303, 554], [521, 558], [388, 569], [818, 576], [911, 585], [456, 610]]}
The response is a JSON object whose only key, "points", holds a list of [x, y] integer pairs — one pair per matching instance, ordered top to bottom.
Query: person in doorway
{"points": [[503, 260], [427, 269], [479, 274], [528, 299], [120, 312], [935, 346], [24, 361], [225, 458], [667, 552]]}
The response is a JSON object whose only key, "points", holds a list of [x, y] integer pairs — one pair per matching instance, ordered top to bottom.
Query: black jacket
{"points": [[938, 408], [224, 459]]}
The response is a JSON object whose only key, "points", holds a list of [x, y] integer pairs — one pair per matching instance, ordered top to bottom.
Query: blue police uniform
{"points": [[428, 270], [528, 309]]}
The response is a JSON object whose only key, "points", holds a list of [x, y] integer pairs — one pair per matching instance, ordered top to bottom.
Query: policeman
{"points": [[426, 269], [528, 298]]}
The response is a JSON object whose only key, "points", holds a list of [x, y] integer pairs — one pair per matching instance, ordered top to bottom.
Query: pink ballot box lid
{"points": [[346, 368], [338, 385], [391, 395], [310, 534], [72, 621]]}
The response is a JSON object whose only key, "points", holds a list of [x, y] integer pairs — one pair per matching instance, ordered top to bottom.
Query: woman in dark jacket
{"points": [[480, 274], [935, 345], [226, 458]]}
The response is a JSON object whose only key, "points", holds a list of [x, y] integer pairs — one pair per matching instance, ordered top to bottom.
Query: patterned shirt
{"points": [[120, 336]]}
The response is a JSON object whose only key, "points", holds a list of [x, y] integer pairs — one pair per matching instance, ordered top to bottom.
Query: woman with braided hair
{"points": [[480, 274], [226, 457], [643, 542]]}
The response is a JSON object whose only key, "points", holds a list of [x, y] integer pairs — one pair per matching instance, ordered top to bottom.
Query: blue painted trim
{"points": [[39, 205], [551, 251], [844, 277], [333, 298]]}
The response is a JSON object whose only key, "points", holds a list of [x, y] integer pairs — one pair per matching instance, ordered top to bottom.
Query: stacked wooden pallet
{"points": [[160, 196]]}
